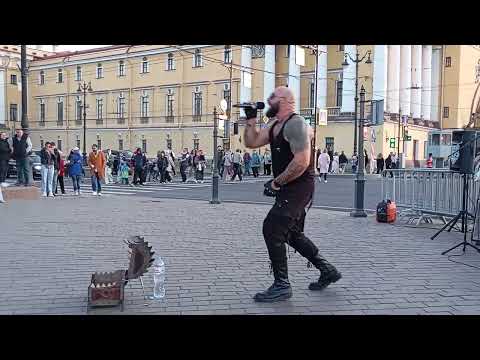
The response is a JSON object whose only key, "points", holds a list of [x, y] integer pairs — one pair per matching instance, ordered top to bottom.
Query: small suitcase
{"points": [[386, 212]]}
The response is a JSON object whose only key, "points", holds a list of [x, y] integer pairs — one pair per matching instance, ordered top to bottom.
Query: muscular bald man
{"points": [[289, 137]]}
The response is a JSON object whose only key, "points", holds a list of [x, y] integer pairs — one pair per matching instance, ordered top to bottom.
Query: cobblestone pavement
{"points": [[216, 260]]}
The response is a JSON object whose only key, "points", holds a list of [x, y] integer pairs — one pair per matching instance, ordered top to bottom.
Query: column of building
{"points": [[349, 74], [294, 76]]}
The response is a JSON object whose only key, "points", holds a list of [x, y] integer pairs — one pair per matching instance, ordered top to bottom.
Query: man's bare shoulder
{"points": [[297, 133]]}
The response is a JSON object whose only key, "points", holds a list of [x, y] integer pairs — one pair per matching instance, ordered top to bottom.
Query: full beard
{"points": [[272, 111]]}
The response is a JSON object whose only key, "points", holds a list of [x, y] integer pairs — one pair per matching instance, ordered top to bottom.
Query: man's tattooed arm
{"points": [[298, 134]]}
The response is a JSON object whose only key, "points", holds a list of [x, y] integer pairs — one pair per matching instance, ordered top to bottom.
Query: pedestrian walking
{"points": [[22, 148], [220, 154], [5, 155], [330, 155], [184, 158], [139, 161], [247, 161], [343, 161], [367, 161], [430, 161], [96, 162], [354, 162], [255, 163], [267, 163], [389, 163], [162, 164], [200, 164], [324, 164], [335, 164], [380, 164], [227, 165], [237, 165], [56, 166], [109, 167], [191, 167], [47, 168], [75, 168], [170, 169], [124, 172], [60, 175], [292, 187]]}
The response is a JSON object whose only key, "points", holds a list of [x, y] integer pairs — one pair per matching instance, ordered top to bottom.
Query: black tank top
{"points": [[282, 155]]}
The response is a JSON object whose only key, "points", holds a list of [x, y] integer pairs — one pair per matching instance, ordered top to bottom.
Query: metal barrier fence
{"points": [[430, 191]]}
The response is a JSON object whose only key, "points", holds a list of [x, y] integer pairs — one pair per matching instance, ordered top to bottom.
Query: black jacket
{"points": [[5, 151], [46, 158], [342, 159], [139, 161], [388, 162], [162, 163], [380, 163]]}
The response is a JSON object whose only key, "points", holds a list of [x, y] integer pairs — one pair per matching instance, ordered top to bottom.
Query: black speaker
{"points": [[235, 128], [465, 148]]}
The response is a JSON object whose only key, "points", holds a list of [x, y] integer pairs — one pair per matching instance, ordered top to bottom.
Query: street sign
{"points": [[222, 117], [322, 117], [221, 124], [407, 138], [392, 143]]}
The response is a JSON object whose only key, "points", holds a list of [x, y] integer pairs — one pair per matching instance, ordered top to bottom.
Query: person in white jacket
{"points": [[323, 164], [335, 164]]}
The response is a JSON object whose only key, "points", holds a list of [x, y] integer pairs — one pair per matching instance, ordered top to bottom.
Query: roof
{"points": [[81, 52]]}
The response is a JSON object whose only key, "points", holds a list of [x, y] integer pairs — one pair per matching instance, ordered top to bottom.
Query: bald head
{"points": [[285, 93], [282, 102]]}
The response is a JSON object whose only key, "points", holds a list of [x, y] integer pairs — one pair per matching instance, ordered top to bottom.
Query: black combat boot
{"points": [[328, 273], [281, 289]]}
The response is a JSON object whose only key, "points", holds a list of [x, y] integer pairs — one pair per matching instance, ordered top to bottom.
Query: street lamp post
{"points": [[357, 60], [84, 88], [215, 160], [359, 196]]}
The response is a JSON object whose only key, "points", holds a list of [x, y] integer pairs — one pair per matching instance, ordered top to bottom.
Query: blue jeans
{"points": [[47, 178], [76, 182], [96, 184]]}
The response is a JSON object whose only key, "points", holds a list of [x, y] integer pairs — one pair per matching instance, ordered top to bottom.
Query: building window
{"points": [[341, 47], [227, 54], [197, 58], [448, 61], [170, 62], [121, 68], [144, 68], [99, 71], [78, 74], [60, 76], [13, 79], [41, 79], [338, 94], [312, 95], [144, 106], [170, 106], [197, 106], [121, 108], [78, 110], [99, 110], [59, 111], [13, 112], [42, 112], [446, 112], [435, 139], [446, 139], [78, 143], [99, 143], [329, 143], [59, 144], [120, 144], [196, 144], [144, 145], [425, 149]]}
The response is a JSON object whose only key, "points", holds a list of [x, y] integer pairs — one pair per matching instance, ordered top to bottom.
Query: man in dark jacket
{"points": [[22, 147], [5, 154], [330, 154], [343, 161], [139, 162]]}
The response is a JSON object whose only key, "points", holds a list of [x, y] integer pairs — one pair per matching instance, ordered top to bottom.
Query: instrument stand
{"points": [[464, 216]]}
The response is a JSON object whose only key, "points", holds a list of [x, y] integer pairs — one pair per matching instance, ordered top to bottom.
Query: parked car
{"points": [[36, 166]]}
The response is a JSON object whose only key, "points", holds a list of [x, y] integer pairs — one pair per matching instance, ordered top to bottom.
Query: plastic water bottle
{"points": [[158, 279]]}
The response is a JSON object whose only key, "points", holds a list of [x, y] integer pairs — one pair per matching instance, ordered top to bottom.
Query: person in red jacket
{"points": [[430, 161], [61, 174]]}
